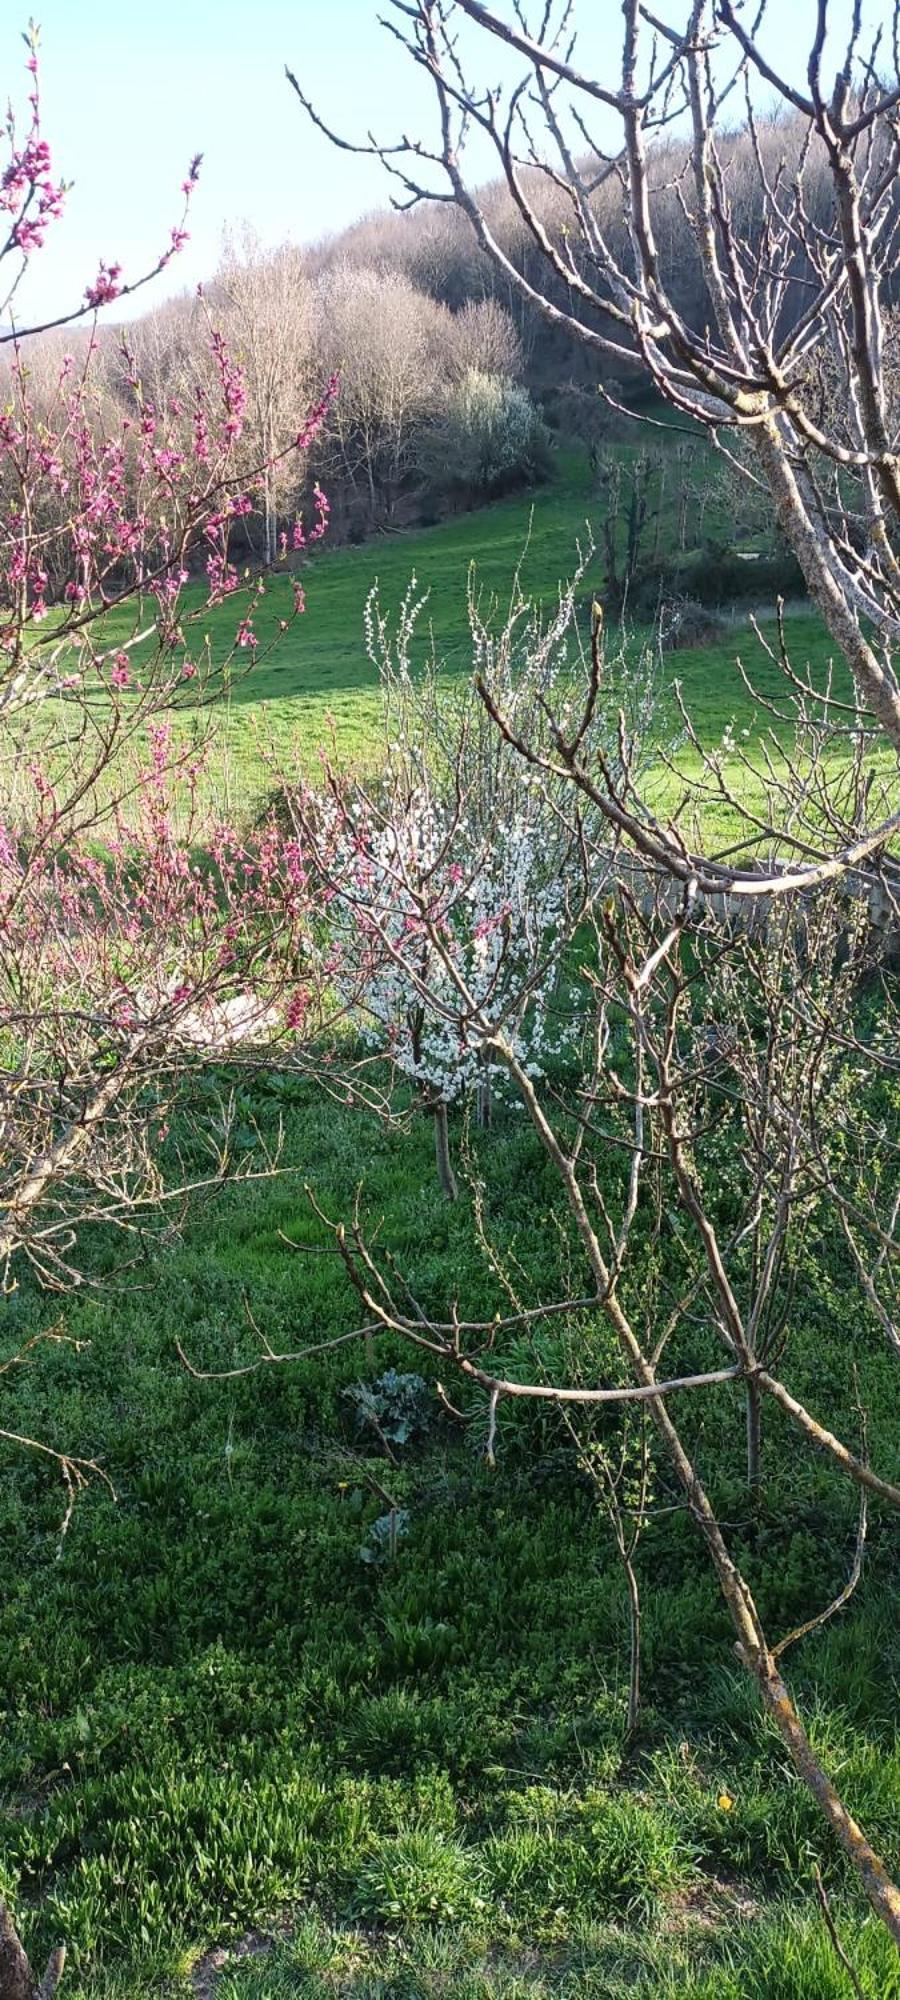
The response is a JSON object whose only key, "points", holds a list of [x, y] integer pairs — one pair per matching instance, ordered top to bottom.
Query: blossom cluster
{"points": [[29, 194], [98, 510], [455, 884], [454, 933], [142, 934], [138, 942]]}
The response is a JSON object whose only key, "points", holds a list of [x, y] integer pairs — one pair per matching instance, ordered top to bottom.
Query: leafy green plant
{"points": [[397, 1407], [384, 1536], [419, 1877]]}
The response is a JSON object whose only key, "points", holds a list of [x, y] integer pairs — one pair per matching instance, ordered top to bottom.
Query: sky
{"points": [[132, 89]]}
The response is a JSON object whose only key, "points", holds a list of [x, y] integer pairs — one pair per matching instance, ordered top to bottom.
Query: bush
{"points": [[488, 440], [715, 577], [687, 623]]}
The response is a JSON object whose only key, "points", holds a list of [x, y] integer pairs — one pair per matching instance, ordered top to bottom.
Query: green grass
{"points": [[317, 688], [217, 1714], [782, 1957]]}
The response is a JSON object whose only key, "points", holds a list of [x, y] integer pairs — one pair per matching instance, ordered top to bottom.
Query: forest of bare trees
{"points": [[452, 379]]}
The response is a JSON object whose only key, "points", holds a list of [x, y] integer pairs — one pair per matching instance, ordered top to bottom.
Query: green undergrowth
{"points": [[231, 1700], [777, 1957]]}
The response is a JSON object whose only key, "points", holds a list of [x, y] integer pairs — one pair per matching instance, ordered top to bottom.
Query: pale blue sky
{"points": [[132, 88]]}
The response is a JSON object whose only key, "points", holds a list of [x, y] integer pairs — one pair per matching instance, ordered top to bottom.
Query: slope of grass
{"points": [[315, 687]]}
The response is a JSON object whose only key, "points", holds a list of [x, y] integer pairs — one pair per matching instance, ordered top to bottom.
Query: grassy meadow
{"points": [[314, 686], [228, 1708], [252, 1746]]}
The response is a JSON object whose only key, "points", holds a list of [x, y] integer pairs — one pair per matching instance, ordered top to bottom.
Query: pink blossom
{"points": [[106, 286], [297, 1009]]}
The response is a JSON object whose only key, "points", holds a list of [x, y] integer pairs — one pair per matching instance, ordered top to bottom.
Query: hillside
{"points": [[314, 685]]}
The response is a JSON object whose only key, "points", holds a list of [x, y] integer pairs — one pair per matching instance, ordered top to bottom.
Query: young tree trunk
{"points": [[660, 504], [270, 519], [484, 1106], [446, 1175], [754, 1437], [752, 1647], [634, 1669], [882, 1893]]}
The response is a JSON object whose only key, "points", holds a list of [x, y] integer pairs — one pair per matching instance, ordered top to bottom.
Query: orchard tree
{"points": [[102, 684], [453, 888], [139, 941], [732, 1072], [721, 1113]]}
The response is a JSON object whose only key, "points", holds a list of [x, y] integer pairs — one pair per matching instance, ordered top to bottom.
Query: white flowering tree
{"points": [[487, 438], [456, 888]]}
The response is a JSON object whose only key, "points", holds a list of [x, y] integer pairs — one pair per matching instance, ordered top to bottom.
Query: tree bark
{"points": [[446, 1175], [882, 1893], [17, 1980]]}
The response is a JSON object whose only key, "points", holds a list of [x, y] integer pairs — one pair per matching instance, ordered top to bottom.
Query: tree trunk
{"points": [[271, 528], [484, 1106], [446, 1175], [754, 1437], [634, 1672], [882, 1893], [17, 1981]]}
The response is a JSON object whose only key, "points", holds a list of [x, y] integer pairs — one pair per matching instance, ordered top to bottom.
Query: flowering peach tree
{"points": [[139, 938]]}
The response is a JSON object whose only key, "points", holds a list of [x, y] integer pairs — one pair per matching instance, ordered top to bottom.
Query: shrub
{"points": [[488, 440], [715, 576], [687, 623]]}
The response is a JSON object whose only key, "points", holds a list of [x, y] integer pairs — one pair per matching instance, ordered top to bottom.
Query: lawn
{"points": [[228, 1706], [291, 1717]]}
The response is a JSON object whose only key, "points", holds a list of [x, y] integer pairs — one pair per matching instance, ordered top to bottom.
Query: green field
{"points": [[314, 687], [218, 1716], [233, 1718]]}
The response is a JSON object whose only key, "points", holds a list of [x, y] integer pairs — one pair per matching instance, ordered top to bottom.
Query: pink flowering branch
{"points": [[32, 199], [94, 516], [140, 944], [120, 973]]}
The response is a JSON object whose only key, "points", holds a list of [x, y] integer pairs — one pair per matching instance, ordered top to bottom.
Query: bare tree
{"points": [[825, 237], [264, 301], [485, 338], [384, 339], [629, 491], [721, 1079]]}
